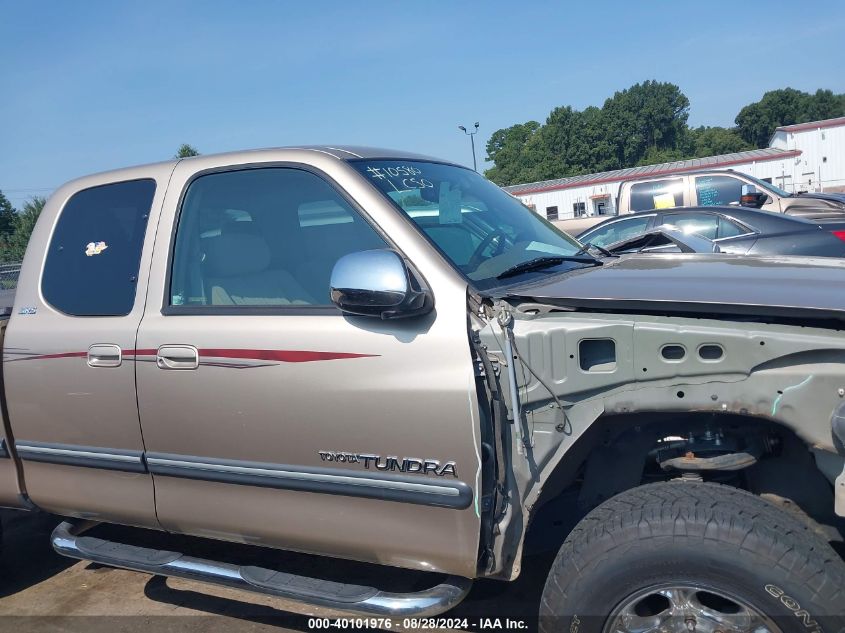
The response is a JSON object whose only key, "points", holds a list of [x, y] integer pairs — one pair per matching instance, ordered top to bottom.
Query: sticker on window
{"points": [[664, 201], [450, 204], [95, 248], [546, 248]]}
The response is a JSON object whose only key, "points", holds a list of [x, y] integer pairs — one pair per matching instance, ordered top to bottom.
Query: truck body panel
{"points": [[63, 410], [242, 410], [11, 491]]}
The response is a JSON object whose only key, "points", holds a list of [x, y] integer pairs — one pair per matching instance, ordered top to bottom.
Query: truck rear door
{"points": [[69, 353], [270, 417], [10, 485]]}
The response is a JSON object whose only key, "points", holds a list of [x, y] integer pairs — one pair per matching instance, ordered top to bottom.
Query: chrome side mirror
{"points": [[378, 283]]}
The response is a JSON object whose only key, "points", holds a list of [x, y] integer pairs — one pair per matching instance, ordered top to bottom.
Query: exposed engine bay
{"points": [[606, 402]]}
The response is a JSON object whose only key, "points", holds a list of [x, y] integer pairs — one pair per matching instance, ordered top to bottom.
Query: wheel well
{"points": [[620, 452]]}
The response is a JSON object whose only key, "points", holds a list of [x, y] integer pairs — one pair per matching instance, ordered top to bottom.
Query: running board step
{"points": [[67, 540]]}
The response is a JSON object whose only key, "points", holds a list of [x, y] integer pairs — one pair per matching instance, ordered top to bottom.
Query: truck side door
{"points": [[69, 350], [270, 417], [10, 485]]}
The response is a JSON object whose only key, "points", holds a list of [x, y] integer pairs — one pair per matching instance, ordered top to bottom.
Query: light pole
{"points": [[472, 140]]}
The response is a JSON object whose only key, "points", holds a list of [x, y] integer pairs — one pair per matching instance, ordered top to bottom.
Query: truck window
{"points": [[717, 190], [658, 194], [479, 228], [262, 237], [95, 251]]}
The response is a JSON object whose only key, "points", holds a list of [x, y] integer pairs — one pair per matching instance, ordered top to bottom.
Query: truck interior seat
{"points": [[323, 246], [237, 272]]}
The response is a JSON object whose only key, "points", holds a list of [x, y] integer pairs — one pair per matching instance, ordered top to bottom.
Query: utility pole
{"points": [[472, 140]]}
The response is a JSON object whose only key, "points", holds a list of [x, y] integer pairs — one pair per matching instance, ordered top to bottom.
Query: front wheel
{"points": [[692, 557]]}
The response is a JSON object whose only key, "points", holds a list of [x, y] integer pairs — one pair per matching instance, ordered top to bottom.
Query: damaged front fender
{"points": [[571, 368]]}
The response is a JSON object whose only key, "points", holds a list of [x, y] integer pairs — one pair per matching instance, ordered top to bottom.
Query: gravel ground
{"points": [[42, 591]]}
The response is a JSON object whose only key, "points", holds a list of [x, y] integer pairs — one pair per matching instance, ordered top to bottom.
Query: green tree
{"points": [[825, 105], [651, 116], [646, 119], [757, 121], [641, 125], [712, 141], [186, 151], [510, 152], [7, 217], [25, 221]]}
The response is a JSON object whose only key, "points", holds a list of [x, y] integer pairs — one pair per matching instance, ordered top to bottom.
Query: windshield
{"points": [[769, 186], [481, 229]]}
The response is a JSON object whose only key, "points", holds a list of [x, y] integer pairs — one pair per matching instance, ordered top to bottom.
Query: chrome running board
{"points": [[67, 540]]}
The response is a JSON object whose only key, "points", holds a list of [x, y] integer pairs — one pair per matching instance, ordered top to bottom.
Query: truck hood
{"points": [[829, 197], [820, 201], [791, 287]]}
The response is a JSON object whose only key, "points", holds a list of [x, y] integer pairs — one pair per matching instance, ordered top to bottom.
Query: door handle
{"points": [[104, 355], [177, 357]]}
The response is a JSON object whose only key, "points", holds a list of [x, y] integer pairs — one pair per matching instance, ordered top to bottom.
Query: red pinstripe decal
{"points": [[57, 355], [282, 355]]}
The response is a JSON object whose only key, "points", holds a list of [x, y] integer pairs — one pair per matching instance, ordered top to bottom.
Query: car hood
{"points": [[772, 286]]}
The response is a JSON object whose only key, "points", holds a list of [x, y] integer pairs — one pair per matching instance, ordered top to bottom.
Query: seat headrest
{"points": [[236, 254]]}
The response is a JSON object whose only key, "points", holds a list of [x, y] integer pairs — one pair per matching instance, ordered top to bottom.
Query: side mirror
{"points": [[750, 197], [378, 283]]}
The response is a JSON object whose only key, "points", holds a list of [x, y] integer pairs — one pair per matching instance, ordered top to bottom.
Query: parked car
{"points": [[734, 229], [663, 238], [373, 355]]}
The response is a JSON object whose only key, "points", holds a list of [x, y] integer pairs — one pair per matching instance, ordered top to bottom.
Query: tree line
{"points": [[641, 125], [16, 225]]}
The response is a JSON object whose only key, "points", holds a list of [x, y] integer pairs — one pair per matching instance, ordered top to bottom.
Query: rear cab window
{"points": [[657, 194], [95, 250]]}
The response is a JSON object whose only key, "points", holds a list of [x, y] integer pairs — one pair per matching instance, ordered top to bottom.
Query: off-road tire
{"points": [[700, 534]]}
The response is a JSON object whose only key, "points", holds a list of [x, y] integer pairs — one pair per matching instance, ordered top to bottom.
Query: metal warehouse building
{"points": [[803, 157]]}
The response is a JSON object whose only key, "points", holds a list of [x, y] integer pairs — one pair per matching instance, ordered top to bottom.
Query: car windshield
{"points": [[769, 186], [481, 229]]}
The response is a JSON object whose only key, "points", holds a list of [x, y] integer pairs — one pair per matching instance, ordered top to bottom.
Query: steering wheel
{"points": [[477, 255]]}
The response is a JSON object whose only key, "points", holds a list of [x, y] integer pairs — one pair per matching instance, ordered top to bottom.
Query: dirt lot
{"points": [[42, 591]]}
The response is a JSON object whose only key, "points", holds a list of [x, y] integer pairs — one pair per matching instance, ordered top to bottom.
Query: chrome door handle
{"points": [[104, 355], [177, 357]]}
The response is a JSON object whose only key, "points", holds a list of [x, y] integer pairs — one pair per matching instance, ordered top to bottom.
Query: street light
{"points": [[472, 140]]}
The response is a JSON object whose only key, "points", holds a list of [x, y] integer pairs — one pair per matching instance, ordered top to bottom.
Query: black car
{"points": [[737, 230]]}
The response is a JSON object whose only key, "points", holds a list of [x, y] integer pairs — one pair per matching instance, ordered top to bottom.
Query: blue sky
{"points": [[93, 85]]}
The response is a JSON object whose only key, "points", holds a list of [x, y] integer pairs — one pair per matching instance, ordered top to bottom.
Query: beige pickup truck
{"points": [[710, 187], [720, 187], [372, 355]]}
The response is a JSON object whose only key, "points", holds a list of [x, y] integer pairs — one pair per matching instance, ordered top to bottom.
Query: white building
{"points": [[803, 157]]}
